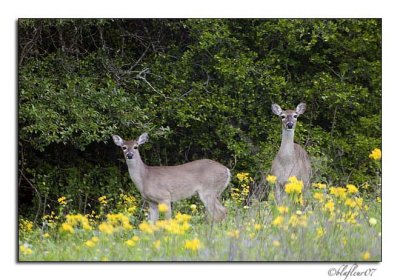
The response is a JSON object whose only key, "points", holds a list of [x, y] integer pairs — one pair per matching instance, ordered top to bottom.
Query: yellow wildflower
{"points": [[376, 154], [243, 176], [271, 179], [294, 185], [319, 186], [351, 188], [338, 192], [319, 196], [62, 200], [102, 200], [359, 201], [350, 202], [330, 206], [162, 207], [193, 207], [283, 209], [182, 217], [351, 217], [78, 219], [119, 220], [295, 220], [277, 221], [372, 221], [25, 225], [257, 226], [66, 227], [146, 227], [106, 228], [320, 232], [234, 233], [46, 235], [133, 241], [90, 243], [276, 243], [157, 244], [193, 244], [25, 250], [366, 256]]}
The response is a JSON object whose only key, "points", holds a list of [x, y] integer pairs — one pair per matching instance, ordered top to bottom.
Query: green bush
{"points": [[202, 88]]}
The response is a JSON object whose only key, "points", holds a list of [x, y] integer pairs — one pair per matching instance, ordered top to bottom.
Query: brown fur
{"points": [[291, 159], [166, 184]]}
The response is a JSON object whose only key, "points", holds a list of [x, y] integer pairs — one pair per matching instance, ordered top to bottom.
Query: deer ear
{"points": [[301, 108], [276, 109], [143, 138], [117, 140]]}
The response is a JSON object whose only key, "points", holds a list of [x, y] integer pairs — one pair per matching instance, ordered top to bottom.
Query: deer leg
{"points": [[278, 194], [213, 206], [220, 209], [153, 210]]}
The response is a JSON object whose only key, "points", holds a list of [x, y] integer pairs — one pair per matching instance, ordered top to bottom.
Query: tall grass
{"points": [[330, 224]]}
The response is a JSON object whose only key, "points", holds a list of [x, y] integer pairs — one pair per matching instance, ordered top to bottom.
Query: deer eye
{"points": [[295, 116], [282, 117], [135, 147], [124, 148]]}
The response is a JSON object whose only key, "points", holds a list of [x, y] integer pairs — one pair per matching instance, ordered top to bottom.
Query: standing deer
{"points": [[291, 159], [166, 184]]}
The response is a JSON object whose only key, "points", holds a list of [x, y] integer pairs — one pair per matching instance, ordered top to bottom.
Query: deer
{"points": [[291, 159], [167, 184]]}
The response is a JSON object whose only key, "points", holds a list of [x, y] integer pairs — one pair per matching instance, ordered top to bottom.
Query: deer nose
{"points": [[290, 125], [129, 155]]}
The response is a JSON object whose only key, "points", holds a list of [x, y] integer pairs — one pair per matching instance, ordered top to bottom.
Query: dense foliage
{"points": [[201, 88]]}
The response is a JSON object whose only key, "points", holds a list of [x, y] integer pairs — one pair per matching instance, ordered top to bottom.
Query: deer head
{"points": [[289, 117], [130, 147]]}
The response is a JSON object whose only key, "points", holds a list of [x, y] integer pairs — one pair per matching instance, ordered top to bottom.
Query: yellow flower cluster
{"points": [[376, 154], [243, 177], [271, 179], [294, 186], [319, 186], [351, 189], [338, 192], [240, 194], [62, 200], [103, 200], [127, 204], [330, 206], [162, 207], [283, 209], [50, 220], [119, 220], [298, 220], [278, 221], [73, 222], [115, 222], [25, 226], [178, 226], [106, 228], [233, 233], [133, 241], [92, 242], [193, 245], [25, 250]]}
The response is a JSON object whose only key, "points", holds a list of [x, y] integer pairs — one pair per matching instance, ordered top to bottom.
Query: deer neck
{"points": [[286, 151], [137, 170]]}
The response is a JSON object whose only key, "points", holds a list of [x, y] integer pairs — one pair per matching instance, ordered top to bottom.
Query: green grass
{"points": [[247, 234]]}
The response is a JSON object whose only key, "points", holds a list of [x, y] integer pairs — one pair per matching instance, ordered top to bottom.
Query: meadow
{"points": [[326, 223]]}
